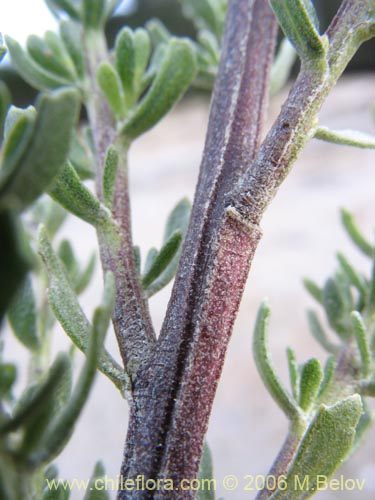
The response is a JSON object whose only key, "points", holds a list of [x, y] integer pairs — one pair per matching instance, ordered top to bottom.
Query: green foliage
{"points": [[299, 22], [176, 72], [346, 137], [31, 164], [175, 230], [65, 305], [22, 316], [326, 443], [206, 473], [93, 492]]}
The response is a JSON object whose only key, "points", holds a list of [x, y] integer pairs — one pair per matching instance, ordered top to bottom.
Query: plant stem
{"points": [[131, 318], [173, 397]]}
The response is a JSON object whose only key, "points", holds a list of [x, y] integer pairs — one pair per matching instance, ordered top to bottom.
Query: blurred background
{"points": [[301, 235]]}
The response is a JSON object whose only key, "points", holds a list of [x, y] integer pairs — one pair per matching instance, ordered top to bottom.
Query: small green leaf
{"points": [[68, 6], [93, 13], [206, 14], [297, 19], [70, 34], [159, 34], [142, 48], [44, 56], [125, 63], [31, 72], [175, 74], [109, 84], [5, 102], [19, 127], [346, 137], [46, 151], [81, 158], [111, 164], [74, 196], [178, 220], [355, 234], [137, 259], [150, 259], [163, 259], [14, 262], [354, 277], [314, 290], [335, 307], [69, 313], [22, 316], [319, 334], [362, 338], [265, 366], [329, 371], [293, 373], [8, 375], [311, 378], [37, 400], [364, 425], [62, 426], [325, 445], [205, 475], [93, 492]]}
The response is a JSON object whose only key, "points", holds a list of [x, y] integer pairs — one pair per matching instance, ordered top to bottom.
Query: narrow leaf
{"points": [[68, 6], [297, 19], [70, 34], [142, 49], [44, 57], [126, 63], [31, 72], [175, 74], [110, 86], [5, 101], [17, 137], [346, 137], [46, 151], [81, 159], [111, 164], [74, 196], [178, 220], [355, 234], [150, 259], [163, 259], [14, 262], [355, 278], [83, 279], [314, 290], [334, 305], [69, 313], [22, 316], [319, 334], [362, 338], [265, 366], [329, 371], [293, 373], [8, 375], [311, 378], [39, 398], [62, 426], [326, 444], [205, 475], [93, 492]]}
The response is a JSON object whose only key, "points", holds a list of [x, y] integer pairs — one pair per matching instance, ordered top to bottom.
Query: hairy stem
{"points": [[131, 318], [174, 395]]}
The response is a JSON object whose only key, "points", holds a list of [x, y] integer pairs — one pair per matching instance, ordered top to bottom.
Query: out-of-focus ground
{"points": [[302, 232]]}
